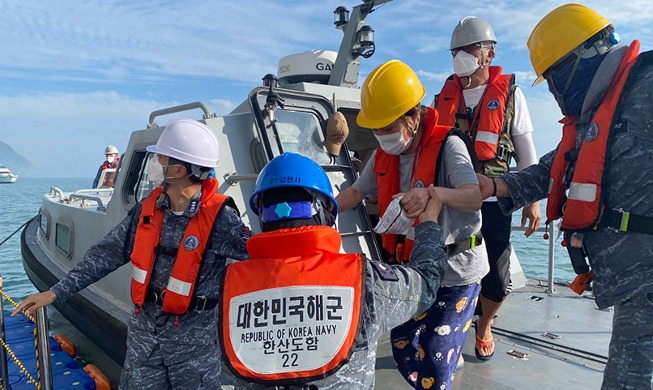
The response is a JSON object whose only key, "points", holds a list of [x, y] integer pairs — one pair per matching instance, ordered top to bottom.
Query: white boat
{"points": [[6, 176], [544, 338]]}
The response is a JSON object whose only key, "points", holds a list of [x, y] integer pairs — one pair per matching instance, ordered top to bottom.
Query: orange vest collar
{"points": [[305, 241]]}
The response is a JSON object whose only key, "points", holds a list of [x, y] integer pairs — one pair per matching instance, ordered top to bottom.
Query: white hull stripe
{"points": [[487, 137], [584, 192], [139, 275], [178, 286]]}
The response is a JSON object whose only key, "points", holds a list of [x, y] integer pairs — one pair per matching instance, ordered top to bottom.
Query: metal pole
{"points": [[551, 232], [3, 356], [44, 363]]}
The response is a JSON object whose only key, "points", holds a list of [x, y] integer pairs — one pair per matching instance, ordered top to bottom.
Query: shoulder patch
{"points": [[385, 271]]}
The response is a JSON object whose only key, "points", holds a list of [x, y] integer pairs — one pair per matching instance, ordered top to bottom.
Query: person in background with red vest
{"points": [[488, 106], [414, 153], [111, 162], [599, 179], [178, 240], [309, 316]]}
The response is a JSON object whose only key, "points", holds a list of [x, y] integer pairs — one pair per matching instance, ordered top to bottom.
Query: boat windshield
{"points": [[300, 132]]}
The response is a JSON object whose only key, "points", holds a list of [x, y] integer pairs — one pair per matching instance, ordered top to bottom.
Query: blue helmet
{"points": [[293, 170]]}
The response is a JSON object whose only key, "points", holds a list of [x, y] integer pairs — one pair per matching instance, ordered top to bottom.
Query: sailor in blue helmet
{"points": [[178, 240], [300, 314]]}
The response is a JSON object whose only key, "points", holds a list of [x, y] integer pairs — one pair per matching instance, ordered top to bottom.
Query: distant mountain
{"points": [[16, 163]]}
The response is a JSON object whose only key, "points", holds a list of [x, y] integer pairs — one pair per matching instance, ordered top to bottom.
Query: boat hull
{"points": [[87, 311]]}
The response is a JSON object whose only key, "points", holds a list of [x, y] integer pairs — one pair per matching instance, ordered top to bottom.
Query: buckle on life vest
{"points": [[618, 220], [621, 221], [458, 247], [154, 297], [200, 300]]}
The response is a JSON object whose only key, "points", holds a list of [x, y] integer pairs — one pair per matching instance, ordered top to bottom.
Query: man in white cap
{"points": [[111, 163]]}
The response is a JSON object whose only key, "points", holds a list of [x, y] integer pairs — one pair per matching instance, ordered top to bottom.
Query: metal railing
{"points": [[42, 344]]}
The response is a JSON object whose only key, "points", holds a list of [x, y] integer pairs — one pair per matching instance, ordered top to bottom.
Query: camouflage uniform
{"points": [[622, 262], [388, 303], [161, 355]]}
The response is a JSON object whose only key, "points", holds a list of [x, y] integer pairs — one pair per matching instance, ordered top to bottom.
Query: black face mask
{"points": [[570, 81]]}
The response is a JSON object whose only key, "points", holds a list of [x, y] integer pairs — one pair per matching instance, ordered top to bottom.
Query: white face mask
{"points": [[464, 64], [393, 143], [111, 159], [155, 171]]}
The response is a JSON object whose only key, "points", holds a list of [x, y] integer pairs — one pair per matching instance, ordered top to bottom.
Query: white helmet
{"points": [[469, 30], [190, 141], [111, 150]]}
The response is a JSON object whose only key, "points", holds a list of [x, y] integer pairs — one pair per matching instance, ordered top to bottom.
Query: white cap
{"points": [[190, 141]]}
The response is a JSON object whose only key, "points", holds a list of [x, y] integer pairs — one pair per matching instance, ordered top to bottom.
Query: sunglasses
{"points": [[469, 49]]}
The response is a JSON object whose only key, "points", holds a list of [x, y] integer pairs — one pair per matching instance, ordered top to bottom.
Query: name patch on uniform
{"points": [[493, 105], [193, 206], [191, 242], [385, 271], [290, 329]]}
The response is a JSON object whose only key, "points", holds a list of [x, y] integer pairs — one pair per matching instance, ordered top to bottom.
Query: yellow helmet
{"points": [[560, 32], [390, 91]]}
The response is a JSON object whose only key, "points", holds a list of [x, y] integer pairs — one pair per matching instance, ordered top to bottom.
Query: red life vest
{"points": [[489, 117], [386, 167], [109, 177], [582, 209], [181, 285], [290, 314]]}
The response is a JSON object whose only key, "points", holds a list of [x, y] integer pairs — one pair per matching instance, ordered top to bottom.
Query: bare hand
{"points": [[487, 187], [415, 201], [433, 207], [533, 215], [34, 302]]}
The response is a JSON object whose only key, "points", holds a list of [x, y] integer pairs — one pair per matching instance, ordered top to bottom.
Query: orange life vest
{"points": [[489, 116], [386, 167], [582, 208], [181, 285], [290, 314]]}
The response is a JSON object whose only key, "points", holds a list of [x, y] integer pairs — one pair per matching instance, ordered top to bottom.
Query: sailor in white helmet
{"points": [[111, 163], [184, 227]]}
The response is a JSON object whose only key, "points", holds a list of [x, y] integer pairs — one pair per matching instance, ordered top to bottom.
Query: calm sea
{"points": [[20, 201]]}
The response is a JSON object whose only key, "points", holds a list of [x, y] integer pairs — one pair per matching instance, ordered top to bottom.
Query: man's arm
{"points": [[348, 198]]}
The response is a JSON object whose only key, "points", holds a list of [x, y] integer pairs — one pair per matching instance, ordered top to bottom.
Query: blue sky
{"points": [[78, 75]]}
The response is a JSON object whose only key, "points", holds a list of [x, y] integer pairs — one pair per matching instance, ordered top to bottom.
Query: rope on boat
{"points": [[17, 230], [6, 347], [20, 365]]}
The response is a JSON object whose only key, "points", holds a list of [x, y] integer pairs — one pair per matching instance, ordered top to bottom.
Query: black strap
{"points": [[624, 221], [463, 245], [164, 250], [198, 303]]}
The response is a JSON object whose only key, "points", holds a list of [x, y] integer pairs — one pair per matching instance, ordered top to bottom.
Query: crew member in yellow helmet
{"points": [[413, 153], [599, 175]]}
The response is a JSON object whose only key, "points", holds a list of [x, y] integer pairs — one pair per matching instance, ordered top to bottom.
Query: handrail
{"points": [[184, 107], [233, 178], [54, 191], [94, 191], [83, 197], [551, 231], [44, 362], [4, 370]]}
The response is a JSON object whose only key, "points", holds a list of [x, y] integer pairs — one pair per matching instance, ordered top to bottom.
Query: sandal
{"points": [[483, 344]]}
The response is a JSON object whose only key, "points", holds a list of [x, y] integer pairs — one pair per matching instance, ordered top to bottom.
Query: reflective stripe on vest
{"points": [[489, 115], [386, 168], [583, 206], [181, 284], [291, 313]]}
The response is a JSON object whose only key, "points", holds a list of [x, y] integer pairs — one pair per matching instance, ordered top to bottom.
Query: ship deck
{"points": [[575, 360]]}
